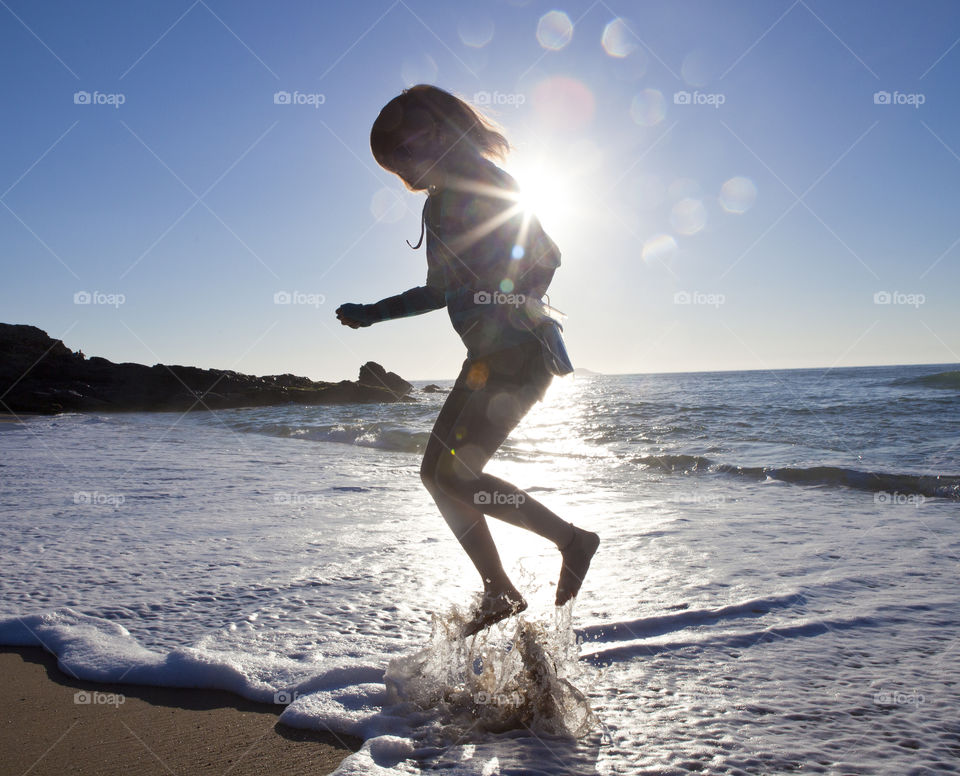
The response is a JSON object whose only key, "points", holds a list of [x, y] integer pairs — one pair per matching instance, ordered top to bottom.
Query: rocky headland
{"points": [[39, 374]]}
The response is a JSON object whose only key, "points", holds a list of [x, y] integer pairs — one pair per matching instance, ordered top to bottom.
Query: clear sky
{"points": [[733, 185]]}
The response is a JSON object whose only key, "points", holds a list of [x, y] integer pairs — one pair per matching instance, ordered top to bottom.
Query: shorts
{"points": [[518, 369]]}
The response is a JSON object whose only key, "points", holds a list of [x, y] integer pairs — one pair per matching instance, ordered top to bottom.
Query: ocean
{"points": [[775, 589]]}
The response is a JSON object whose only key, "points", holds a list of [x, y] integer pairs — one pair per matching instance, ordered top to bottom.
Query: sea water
{"points": [[775, 591]]}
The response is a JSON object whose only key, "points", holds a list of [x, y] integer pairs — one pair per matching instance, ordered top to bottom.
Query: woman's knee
{"points": [[458, 472]]}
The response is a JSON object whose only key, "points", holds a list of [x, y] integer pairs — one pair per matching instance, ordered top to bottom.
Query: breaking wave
{"points": [[928, 485]]}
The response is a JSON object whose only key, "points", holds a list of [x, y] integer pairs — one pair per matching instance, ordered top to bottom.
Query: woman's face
{"points": [[416, 158]]}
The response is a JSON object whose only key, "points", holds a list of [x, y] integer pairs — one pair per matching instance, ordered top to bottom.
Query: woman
{"points": [[486, 259]]}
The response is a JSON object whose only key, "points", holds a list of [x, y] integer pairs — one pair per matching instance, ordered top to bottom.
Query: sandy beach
{"points": [[54, 724]]}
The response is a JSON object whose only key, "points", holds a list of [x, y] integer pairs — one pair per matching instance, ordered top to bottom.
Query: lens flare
{"points": [[554, 30], [476, 32], [618, 41], [563, 103], [648, 108], [737, 195], [688, 216], [660, 248]]}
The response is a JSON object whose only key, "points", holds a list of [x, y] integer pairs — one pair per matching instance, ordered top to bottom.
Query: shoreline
{"points": [[126, 728]]}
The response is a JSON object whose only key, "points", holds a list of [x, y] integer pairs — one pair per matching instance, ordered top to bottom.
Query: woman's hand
{"points": [[349, 315]]}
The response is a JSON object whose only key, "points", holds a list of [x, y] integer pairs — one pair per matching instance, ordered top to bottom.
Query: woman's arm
{"points": [[414, 301]]}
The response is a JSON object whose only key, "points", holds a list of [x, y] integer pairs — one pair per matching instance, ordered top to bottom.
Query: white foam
{"points": [[98, 650]]}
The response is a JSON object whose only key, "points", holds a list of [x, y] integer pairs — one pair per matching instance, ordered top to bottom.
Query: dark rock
{"points": [[40, 374], [374, 375], [434, 389]]}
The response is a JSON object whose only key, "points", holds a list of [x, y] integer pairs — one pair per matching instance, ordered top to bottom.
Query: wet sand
{"points": [[47, 728]]}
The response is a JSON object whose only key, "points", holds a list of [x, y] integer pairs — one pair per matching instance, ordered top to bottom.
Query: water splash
{"points": [[513, 676]]}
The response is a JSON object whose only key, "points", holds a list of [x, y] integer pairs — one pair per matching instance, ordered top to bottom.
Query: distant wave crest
{"points": [[948, 380], [384, 436], [929, 485]]}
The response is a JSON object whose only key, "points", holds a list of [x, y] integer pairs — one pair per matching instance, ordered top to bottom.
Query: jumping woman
{"points": [[486, 259]]}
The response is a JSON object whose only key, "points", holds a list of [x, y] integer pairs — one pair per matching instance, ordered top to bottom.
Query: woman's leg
{"points": [[486, 419], [466, 521]]}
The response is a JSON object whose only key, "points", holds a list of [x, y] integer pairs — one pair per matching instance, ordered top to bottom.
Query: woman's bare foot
{"points": [[576, 560], [493, 608]]}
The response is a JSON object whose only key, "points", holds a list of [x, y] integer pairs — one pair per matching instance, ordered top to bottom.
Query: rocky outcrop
{"points": [[40, 374], [375, 376]]}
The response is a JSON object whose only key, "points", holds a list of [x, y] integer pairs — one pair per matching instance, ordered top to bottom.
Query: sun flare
{"points": [[544, 191]]}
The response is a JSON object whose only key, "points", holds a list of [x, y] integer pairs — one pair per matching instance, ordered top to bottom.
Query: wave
{"points": [[948, 380], [383, 436], [892, 485], [646, 627], [727, 640], [98, 650], [417, 705]]}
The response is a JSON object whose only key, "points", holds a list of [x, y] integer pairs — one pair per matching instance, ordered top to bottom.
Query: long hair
{"points": [[423, 106]]}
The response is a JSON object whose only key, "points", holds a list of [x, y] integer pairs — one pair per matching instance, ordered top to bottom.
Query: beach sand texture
{"points": [[154, 730]]}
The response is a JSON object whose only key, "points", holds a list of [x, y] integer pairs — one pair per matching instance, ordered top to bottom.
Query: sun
{"points": [[544, 190]]}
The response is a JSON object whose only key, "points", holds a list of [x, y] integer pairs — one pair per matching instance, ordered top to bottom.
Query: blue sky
{"points": [[783, 216]]}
